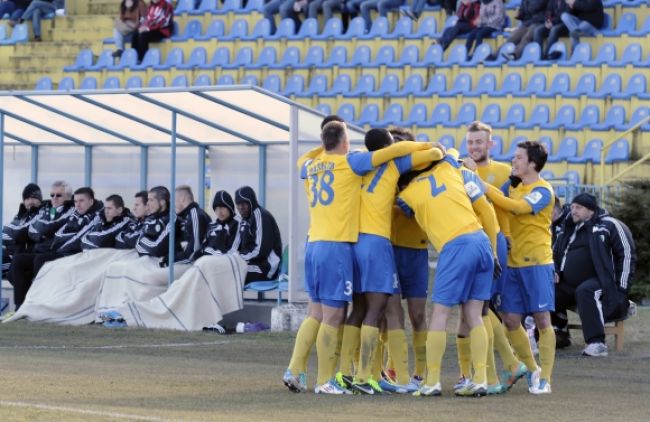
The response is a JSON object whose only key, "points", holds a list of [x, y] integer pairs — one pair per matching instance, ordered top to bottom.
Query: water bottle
{"points": [[248, 327]]}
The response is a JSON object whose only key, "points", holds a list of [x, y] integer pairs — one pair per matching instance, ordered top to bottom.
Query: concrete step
{"points": [[92, 7], [55, 47], [27, 62], [28, 77]]}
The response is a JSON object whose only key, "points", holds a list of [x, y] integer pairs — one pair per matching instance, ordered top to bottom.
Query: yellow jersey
{"points": [[498, 175], [333, 194], [441, 203], [406, 232], [531, 233]]}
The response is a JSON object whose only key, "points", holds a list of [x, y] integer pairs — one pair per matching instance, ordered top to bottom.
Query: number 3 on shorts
{"points": [[348, 288]]}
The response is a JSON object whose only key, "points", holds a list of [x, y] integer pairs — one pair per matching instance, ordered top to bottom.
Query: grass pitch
{"points": [[94, 374]]}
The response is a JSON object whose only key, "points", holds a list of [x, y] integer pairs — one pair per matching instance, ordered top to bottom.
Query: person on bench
{"points": [[594, 257]]}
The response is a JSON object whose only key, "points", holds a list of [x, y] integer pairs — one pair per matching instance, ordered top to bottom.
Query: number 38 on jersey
{"points": [[321, 188]]}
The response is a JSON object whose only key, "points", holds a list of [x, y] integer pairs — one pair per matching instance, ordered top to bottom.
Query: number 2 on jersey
{"points": [[321, 188], [435, 189]]}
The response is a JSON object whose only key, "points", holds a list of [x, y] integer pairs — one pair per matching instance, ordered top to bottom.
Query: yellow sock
{"points": [[305, 339], [519, 340], [501, 343], [326, 344], [349, 345], [436, 345], [479, 346], [368, 350], [400, 352], [420, 352], [547, 352], [464, 356], [378, 360], [492, 377]]}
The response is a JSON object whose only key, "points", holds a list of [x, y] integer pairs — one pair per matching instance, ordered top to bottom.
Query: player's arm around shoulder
{"points": [[309, 155]]}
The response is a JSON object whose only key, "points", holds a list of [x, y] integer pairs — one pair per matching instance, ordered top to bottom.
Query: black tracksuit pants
{"points": [[24, 268], [586, 297]]}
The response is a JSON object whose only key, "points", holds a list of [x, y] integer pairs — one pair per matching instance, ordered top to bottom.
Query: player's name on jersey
{"points": [[320, 167]]}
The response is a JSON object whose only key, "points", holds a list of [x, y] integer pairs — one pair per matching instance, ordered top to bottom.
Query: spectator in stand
{"points": [[330, 6], [418, 6], [364, 7], [14, 8], [284, 8], [36, 10], [131, 13], [531, 13], [468, 15], [583, 17], [491, 18], [157, 25], [552, 29]]}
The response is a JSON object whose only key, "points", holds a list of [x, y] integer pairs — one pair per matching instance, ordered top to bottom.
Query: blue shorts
{"points": [[502, 252], [375, 265], [465, 270], [412, 271], [328, 272], [528, 290]]}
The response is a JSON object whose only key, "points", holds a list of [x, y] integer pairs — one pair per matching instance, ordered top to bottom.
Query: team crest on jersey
{"points": [[472, 189], [534, 197]]}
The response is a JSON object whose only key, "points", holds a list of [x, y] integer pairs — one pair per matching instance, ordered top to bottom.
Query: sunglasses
{"points": [[56, 195]]}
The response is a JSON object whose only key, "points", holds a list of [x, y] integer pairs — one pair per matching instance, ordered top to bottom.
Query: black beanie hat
{"points": [[32, 191], [223, 199], [587, 200]]}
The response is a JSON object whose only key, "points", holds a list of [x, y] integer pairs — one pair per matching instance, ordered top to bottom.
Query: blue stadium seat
{"points": [[184, 6], [205, 6], [228, 6], [251, 6], [449, 22], [626, 23], [356, 28], [403, 28], [216, 29], [239, 29], [308, 29], [333, 29], [378, 29], [426, 29], [3, 30], [192, 30], [261, 30], [644, 30], [557, 47], [506, 49], [480, 54], [532, 54], [606, 54], [581, 55], [632, 55], [315, 56], [385, 56], [457, 56], [198, 57], [267, 57], [338, 57], [360, 57], [409, 57], [432, 57], [151, 58], [174, 58], [220, 58], [290, 58], [84, 59], [128, 59], [244, 59], [103, 61], [202, 80], [225, 80], [248, 80], [157, 81], [180, 81], [89, 82], [112, 82], [133, 82], [272, 83], [44, 84], [413, 84], [462, 84], [536, 84], [295, 85], [341, 85], [365, 85], [437, 85], [486, 85], [511, 85], [560, 85], [586, 85], [636, 85], [317, 86], [611, 86], [388, 87], [324, 108], [347, 112], [466, 114], [491, 114], [369, 115], [393, 115], [440, 115], [566, 115], [638, 115], [417, 116], [590, 116], [615, 116], [515, 117], [539, 117], [422, 137], [447, 141], [547, 142], [497, 146], [462, 149], [568, 149], [619, 151], [591, 153], [508, 155], [547, 175], [572, 176]]}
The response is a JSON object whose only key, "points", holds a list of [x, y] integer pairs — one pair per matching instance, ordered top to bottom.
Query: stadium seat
{"points": [[184, 6], [205, 6], [251, 6], [227, 7], [449, 22], [626, 23], [356, 27], [403, 28], [216, 29], [286, 29], [308, 29], [333, 29], [378, 29], [426, 29], [192, 30], [238, 30], [261, 30], [644, 30], [3, 31], [19, 35], [557, 47], [507, 48], [480, 54], [532, 54], [606, 54], [581, 55], [632, 55], [315, 56], [385, 56], [457, 56], [198, 57], [267, 57], [338, 57], [361, 57], [409, 57], [432, 57], [151, 58], [174, 58], [220, 58], [290, 58], [84, 59], [128, 59], [244, 59], [103, 61], [202, 80], [225, 80], [247, 80], [157, 81], [180, 81], [89, 82], [112, 82], [133, 82], [272, 83], [44, 84], [413, 84], [462, 84], [536, 84], [295, 85], [341, 85], [365, 85], [437, 85], [486, 85], [511, 85], [560, 85], [586, 85], [636, 85], [317, 86], [388, 87], [610, 87], [324, 108], [347, 112], [466, 114], [491, 114], [369, 115], [393, 115], [417, 115], [440, 115], [566, 115], [639, 115], [515, 116], [540, 116], [615, 116], [590, 117], [422, 137], [447, 141], [547, 142], [497, 146], [462, 149], [568, 149], [619, 151], [591, 153], [508, 155], [547, 175], [281, 284]]}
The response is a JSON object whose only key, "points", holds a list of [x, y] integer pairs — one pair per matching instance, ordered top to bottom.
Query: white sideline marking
{"points": [[120, 346], [82, 411]]}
